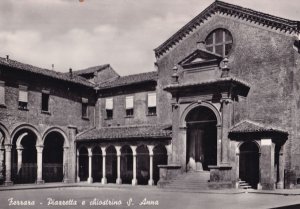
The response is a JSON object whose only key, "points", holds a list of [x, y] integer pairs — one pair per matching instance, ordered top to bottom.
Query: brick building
{"points": [[223, 106]]}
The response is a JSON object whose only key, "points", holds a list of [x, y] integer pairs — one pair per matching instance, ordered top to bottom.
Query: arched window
{"points": [[219, 41]]}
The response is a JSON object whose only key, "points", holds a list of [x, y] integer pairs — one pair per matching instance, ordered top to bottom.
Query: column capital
{"points": [[8, 147], [20, 147], [39, 148], [133, 148], [150, 148], [103, 149], [118, 149], [90, 153]]}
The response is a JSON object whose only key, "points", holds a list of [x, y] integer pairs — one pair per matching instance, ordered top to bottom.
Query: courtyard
{"points": [[138, 197]]}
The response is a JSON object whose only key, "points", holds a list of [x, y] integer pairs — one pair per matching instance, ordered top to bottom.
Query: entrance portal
{"points": [[201, 139], [249, 164]]}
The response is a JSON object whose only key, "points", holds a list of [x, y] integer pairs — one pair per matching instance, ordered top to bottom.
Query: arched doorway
{"points": [[201, 138], [53, 155], [2, 157], [24, 157], [160, 157], [143, 163], [249, 163], [83, 164], [97, 164], [111, 164], [126, 165]]}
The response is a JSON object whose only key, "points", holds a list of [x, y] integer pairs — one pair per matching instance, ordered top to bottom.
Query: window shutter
{"points": [[2, 94], [23, 96], [152, 100], [129, 102], [109, 104]]}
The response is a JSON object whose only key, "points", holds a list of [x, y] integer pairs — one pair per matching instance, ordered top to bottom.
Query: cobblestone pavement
{"points": [[89, 197]]}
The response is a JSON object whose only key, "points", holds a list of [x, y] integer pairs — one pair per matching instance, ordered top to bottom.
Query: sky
{"points": [[122, 33]]}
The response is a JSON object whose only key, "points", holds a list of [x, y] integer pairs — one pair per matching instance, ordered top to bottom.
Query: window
{"points": [[219, 42], [2, 93], [23, 97], [45, 101], [109, 103], [152, 104], [129, 106], [84, 113]]}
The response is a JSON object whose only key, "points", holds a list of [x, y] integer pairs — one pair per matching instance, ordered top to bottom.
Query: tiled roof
{"points": [[231, 10], [91, 69], [44, 72], [129, 80], [207, 82], [248, 126], [126, 132]]}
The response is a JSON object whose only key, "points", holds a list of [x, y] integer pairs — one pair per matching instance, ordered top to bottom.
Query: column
{"points": [[226, 124], [219, 144], [150, 148], [19, 150], [39, 150], [2, 153], [8, 164], [66, 165], [77, 167], [90, 178], [103, 180], [119, 180], [134, 180], [267, 181], [280, 183]]}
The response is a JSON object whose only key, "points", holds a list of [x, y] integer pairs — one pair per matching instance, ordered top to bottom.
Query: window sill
{"points": [[2, 106], [23, 109], [45, 112], [151, 115], [129, 116], [85, 118]]}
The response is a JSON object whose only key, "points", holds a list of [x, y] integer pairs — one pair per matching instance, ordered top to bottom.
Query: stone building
{"points": [[222, 108]]}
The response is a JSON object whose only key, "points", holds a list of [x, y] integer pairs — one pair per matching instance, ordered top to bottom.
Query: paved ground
{"points": [[135, 196]]}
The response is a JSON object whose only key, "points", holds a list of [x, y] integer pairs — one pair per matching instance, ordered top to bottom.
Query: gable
{"points": [[234, 11]]}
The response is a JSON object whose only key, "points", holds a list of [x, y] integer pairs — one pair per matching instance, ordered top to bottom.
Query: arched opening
{"points": [[201, 138], [53, 154], [24, 157], [160, 157], [143, 161], [249, 163], [83, 164], [97, 164], [111, 164], [126, 165]]}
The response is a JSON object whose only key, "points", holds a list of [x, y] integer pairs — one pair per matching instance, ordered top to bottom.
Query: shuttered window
{"points": [[2, 93], [23, 97], [109, 104], [151, 104], [129, 105], [84, 108]]}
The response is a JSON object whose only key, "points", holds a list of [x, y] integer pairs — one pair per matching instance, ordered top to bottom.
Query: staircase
{"points": [[192, 181], [243, 185]]}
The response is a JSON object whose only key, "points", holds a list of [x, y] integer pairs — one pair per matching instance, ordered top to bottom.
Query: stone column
{"points": [[226, 124], [219, 144], [150, 148], [39, 150], [20, 151], [2, 153], [8, 164], [66, 165], [77, 166], [90, 178], [103, 180], [119, 180], [134, 180], [267, 181], [280, 183]]}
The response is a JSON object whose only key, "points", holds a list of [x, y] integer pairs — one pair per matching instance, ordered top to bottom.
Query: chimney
{"points": [[7, 58], [52, 66], [70, 73]]}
